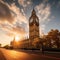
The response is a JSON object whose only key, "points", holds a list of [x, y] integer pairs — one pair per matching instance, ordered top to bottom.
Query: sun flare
{"points": [[17, 38]]}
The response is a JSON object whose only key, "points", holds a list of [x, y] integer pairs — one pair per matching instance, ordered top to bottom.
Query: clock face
{"points": [[31, 20], [37, 20]]}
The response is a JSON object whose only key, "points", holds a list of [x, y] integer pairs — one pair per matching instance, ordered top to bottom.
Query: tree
{"points": [[53, 38], [6, 46]]}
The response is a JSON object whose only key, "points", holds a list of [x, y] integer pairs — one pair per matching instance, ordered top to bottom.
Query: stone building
{"points": [[33, 27], [33, 32]]}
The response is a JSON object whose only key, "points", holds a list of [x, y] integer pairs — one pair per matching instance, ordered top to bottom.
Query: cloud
{"points": [[24, 3], [43, 12], [5, 14], [19, 15], [12, 31]]}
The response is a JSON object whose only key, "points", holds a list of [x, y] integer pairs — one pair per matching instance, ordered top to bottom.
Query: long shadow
{"points": [[30, 51], [40, 53], [2, 57]]}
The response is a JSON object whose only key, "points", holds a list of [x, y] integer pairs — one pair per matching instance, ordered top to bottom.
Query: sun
{"points": [[17, 38]]}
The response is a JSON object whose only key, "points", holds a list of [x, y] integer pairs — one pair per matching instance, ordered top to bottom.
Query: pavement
{"points": [[20, 55]]}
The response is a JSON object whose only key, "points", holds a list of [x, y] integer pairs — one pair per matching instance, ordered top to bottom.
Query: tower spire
{"points": [[33, 11], [33, 25]]}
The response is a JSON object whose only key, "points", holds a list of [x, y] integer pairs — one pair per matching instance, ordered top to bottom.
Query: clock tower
{"points": [[33, 26]]}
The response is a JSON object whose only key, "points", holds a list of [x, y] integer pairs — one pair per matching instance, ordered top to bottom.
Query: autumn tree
{"points": [[53, 38]]}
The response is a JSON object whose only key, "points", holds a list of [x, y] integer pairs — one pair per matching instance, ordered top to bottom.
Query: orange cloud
{"points": [[7, 18]]}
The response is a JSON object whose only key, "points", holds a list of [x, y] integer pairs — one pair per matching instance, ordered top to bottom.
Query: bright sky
{"points": [[14, 17]]}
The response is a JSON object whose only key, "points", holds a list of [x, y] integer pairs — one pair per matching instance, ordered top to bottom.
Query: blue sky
{"points": [[14, 17]]}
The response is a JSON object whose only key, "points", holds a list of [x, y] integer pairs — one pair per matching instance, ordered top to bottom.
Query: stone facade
{"points": [[33, 27], [33, 33]]}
